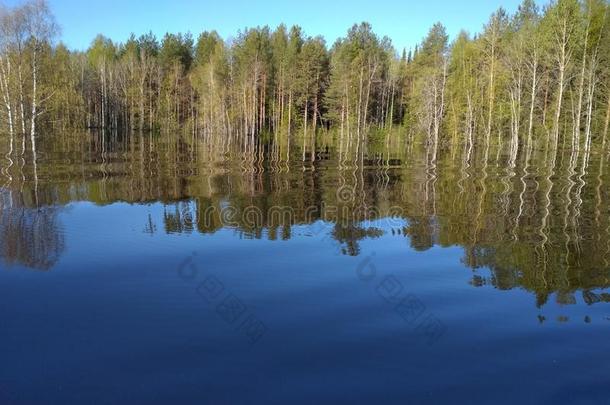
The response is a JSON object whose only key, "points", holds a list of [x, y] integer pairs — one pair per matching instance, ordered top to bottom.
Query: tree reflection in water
{"points": [[535, 226], [29, 236]]}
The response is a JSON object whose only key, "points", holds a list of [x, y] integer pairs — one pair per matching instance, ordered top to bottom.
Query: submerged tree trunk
{"points": [[607, 123], [305, 127]]}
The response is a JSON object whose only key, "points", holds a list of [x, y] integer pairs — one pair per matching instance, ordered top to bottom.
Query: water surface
{"points": [[151, 268]]}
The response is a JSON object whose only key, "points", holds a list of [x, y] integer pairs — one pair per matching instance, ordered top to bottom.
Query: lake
{"points": [[152, 269]]}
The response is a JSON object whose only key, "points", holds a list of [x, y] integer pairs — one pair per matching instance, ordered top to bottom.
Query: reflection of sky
{"points": [[110, 242], [115, 300]]}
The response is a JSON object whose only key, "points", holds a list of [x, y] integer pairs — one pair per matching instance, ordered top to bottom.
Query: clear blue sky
{"points": [[404, 21]]}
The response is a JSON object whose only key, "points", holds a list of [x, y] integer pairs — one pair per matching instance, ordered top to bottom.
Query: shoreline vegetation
{"points": [[539, 78]]}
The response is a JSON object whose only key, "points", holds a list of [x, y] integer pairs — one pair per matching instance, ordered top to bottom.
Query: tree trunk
{"points": [[5, 72], [581, 84], [491, 91], [34, 97], [532, 98], [360, 101], [558, 110], [315, 121], [33, 123], [607, 123], [305, 127]]}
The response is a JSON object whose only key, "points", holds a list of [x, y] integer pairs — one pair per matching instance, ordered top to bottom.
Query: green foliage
{"points": [[537, 76]]}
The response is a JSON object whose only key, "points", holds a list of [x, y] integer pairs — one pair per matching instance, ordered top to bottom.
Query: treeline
{"points": [[540, 76]]}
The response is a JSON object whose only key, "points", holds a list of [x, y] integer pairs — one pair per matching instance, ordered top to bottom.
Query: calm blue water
{"points": [[117, 302]]}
